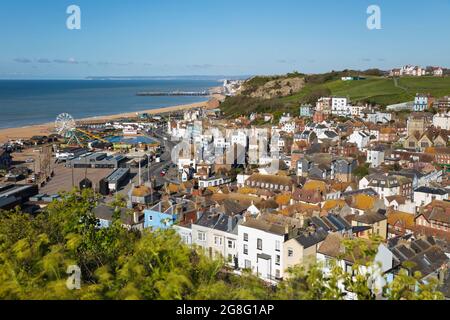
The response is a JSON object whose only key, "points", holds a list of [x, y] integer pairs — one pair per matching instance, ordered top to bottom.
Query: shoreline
{"points": [[45, 129]]}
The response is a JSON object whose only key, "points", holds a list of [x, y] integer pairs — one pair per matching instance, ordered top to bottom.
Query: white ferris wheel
{"points": [[66, 127]]}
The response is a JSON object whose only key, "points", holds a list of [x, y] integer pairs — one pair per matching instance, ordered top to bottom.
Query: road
{"points": [[156, 168]]}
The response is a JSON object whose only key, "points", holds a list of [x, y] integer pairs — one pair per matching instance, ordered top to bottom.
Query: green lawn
{"points": [[375, 90], [381, 90]]}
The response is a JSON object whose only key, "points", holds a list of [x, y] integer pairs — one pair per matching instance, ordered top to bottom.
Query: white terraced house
{"points": [[261, 248]]}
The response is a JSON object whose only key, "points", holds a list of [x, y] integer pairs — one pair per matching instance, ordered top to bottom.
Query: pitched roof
{"points": [[315, 185], [431, 191], [399, 199], [363, 202], [437, 211], [105, 212], [369, 218], [407, 219], [265, 226], [310, 239], [333, 247]]}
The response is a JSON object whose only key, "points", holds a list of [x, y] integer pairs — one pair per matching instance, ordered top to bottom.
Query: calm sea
{"points": [[28, 102]]}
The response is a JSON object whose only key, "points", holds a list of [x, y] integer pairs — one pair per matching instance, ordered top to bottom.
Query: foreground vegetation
{"points": [[374, 89], [35, 253]]}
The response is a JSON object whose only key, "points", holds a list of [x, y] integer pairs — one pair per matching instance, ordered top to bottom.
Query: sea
{"points": [[30, 102]]}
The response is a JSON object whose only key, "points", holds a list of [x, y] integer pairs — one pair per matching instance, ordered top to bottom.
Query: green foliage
{"points": [[361, 171], [117, 263]]}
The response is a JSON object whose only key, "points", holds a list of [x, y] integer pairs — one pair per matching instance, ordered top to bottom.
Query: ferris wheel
{"points": [[66, 127]]}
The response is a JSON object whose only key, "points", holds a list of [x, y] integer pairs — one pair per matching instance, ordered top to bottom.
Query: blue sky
{"points": [[210, 37]]}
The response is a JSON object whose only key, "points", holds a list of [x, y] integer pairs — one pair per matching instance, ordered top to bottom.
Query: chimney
{"points": [[136, 217], [302, 221], [230, 223], [286, 228]]}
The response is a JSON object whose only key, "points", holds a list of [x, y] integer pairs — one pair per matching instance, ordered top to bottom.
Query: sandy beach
{"points": [[47, 128]]}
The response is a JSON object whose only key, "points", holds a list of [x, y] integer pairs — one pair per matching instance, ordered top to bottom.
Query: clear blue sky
{"points": [[211, 37]]}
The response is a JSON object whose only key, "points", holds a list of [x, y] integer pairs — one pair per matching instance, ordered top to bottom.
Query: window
{"points": [[150, 218], [201, 236], [246, 237], [217, 241], [231, 244], [259, 244], [277, 246], [246, 249], [290, 253], [277, 260], [248, 264], [277, 274]]}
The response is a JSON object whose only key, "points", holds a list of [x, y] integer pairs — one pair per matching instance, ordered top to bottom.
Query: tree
{"points": [[361, 171], [117, 263]]}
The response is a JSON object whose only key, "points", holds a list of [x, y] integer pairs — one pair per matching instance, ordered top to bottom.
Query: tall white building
{"points": [[339, 106], [442, 120], [375, 157], [261, 247]]}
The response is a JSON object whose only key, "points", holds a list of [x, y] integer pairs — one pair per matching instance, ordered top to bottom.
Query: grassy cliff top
{"points": [[374, 89]]}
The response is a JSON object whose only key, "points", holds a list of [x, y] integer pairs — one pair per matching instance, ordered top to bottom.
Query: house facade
{"points": [[217, 234], [261, 249]]}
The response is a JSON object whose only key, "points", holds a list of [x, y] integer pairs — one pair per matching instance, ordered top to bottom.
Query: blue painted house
{"points": [[420, 103], [306, 111], [165, 214], [161, 216]]}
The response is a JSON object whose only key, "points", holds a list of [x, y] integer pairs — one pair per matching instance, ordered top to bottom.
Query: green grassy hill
{"points": [[376, 90]]}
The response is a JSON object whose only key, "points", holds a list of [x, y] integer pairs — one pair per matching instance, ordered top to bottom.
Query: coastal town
{"points": [[264, 191]]}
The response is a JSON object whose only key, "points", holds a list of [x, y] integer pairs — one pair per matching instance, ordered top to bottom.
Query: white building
{"points": [[338, 103], [378, 117], [285, 118], [442, 120], [288, 127], [239, 137], [361, 138], [375, 157], [241, 178], [213, 182], [425, 195], [185, 233], [217, 234], [261, 247]]}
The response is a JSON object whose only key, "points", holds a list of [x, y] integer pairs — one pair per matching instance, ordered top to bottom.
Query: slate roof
{"points": [[429, 190], [437, 211], [105, 212], [369, 217], [265, 226], [310, 239], [429, 261]]}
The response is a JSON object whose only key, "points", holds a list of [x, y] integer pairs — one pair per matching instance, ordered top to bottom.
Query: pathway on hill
{"points": [[396, 84]]}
